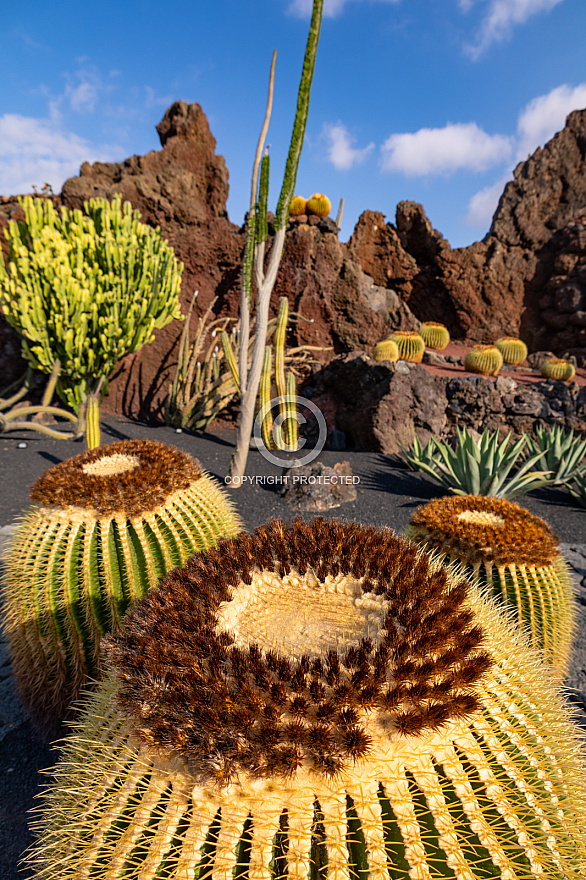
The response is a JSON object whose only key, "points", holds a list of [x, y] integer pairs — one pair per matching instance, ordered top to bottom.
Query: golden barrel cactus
{"points": [[319, 205], [297, 206], [435, 335], [410, 344], [386, 350], [513, 350], [485, 360], [559, 369], [104, 527], [513, 554], [319, 700]]}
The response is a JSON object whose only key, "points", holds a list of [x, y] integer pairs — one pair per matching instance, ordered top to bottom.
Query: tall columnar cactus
{"points": [[318, 204], [85, 289], [435, 335], [410, 344], [386, 350], [513, 350], [483, 359], [559, 369], [105, 526], [514, 555], [318, 700]]}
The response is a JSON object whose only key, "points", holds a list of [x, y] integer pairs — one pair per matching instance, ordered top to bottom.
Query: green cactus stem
{"points": [[319, 205], [297, 206], [435, 335], [410, 344], [386, 350], [513, 350], [486, 360], [558, 369], [92, 415], [105, 526], [512, 553], [319, 700]]}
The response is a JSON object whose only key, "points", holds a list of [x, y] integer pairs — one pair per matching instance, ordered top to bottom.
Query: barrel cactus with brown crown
{"points": [[318, 204], [435, 335], [410, 344], [386, 350], [513, 350], [483, 359], [558, 369], [104, 527], [513, 554], [318, 700]]}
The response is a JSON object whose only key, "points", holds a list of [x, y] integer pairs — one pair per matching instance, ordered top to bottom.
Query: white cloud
{"points": [[332, 8], [500, 18], [83, 97], [545, 115], [455, 147], [37, 151], [341, 153], [482, 205]]}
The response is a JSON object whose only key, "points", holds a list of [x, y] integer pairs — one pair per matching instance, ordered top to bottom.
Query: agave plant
{"points": [[564, 455], [480, 467], [578, 488]]}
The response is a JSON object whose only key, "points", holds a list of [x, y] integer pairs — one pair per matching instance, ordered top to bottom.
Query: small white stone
{"points": [[22, 445]]}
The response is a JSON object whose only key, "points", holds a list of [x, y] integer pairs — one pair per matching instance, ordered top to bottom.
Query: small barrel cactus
{"points": [[319, 205], [297, 206], [435, 335], [410, 344], [386, 350], [513, 350], [483, 359], [559, 369], [106, 525], [512, 553], [318, 700]]}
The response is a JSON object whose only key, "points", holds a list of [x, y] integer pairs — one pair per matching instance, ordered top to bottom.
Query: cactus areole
{"points": [[315, 701]]}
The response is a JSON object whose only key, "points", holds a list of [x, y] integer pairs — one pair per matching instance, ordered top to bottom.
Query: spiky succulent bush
{"points": [[318, 204], [85, 289], [435, 335], [410, 344], [386, 350], [513, 350], [485, 360], [558, 369], [564, 456], [485, 466], [577, 488], [104, 527], [513, 554], [318, 700]]}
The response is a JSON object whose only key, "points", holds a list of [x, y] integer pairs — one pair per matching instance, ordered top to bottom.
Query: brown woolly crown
{"points": [[130, 477], [478, 528], [280, 648]]}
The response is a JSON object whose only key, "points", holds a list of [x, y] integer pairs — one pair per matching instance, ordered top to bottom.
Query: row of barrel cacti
{"points": [[486, 360], [315, 699]]}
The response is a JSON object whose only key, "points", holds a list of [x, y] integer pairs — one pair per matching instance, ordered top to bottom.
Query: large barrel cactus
{"points": [[410, 344], [486, 360], [105, 526], [512, 553], [318, 701]]}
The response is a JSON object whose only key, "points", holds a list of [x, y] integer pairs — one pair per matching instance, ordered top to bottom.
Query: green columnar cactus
{"points": [[319, 205], [297, 206], [86, 289], [435, 335], [410, 344], [386, 350], [513, 350], [483, 359], [559, 369], [105, 526], [512, 553], [318, 700]]}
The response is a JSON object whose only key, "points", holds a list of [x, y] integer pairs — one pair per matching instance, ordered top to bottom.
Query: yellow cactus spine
{"points": [[318, 204], [297, 206], [435, 335], [410, 344], [386, 350], [513, 350], [483, 359], [558, 369], [104, 527], [514, 555], [318, 697]]}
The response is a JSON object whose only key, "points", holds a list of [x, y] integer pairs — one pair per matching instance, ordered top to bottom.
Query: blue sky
{"points": [[430, 100]]}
